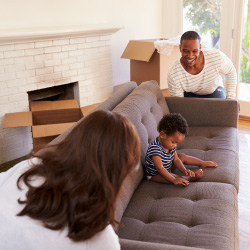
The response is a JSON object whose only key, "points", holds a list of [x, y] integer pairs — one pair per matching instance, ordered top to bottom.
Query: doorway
{"points": [[244, 76]]}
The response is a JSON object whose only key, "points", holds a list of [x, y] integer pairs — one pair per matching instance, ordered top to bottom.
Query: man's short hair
{"points": [[190, 35]]}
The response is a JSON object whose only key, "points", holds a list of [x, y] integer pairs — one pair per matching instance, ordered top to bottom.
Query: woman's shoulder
{"points": [[16, 170], [106, 239]]}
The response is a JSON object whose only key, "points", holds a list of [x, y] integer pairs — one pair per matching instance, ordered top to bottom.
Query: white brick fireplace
{"points": [[38, 59]]}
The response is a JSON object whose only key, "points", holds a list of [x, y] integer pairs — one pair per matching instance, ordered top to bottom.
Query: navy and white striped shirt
{"points": [[155, 149]]}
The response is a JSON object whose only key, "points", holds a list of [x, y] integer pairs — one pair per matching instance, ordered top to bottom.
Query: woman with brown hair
{"points": [[66, 193]]}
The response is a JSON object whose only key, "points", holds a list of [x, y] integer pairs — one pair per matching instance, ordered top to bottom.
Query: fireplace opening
{"points": [[63, 92], [53, 111]]}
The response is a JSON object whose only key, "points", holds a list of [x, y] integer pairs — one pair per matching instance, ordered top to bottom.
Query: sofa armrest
{"points": [[206, 111], [142, 245]]}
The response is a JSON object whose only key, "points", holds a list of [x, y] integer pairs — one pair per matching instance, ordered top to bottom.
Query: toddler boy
{"points": [[162, 159]]}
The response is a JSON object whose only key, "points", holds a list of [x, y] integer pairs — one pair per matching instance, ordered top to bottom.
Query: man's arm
{"points": [[230, 75], [174, 88]]}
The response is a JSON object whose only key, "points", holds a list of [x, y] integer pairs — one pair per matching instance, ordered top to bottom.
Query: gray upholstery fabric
{"points": [[109, 104], [145, 106], [206, 111], [144, 113], [212, 135], [219, 144], [128, 187], [202, 215], [142, 245]]}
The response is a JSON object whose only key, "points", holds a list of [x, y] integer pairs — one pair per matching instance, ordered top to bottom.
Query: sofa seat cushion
{"points": [[219, 144], [202, 215], [142, 245]]}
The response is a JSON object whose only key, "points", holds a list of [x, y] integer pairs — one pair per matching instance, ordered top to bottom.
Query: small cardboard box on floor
{"points": [[147, 64], [48, 119]]}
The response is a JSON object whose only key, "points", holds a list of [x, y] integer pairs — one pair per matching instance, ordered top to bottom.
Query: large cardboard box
{"points": [[147, 64], [48, 119]]}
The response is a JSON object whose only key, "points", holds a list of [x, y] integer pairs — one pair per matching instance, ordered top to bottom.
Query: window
{"points": [[204, 17], [244, 85]]}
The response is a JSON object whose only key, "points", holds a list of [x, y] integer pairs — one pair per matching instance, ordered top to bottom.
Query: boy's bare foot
{"points": [[209, 164], [198, 175]]}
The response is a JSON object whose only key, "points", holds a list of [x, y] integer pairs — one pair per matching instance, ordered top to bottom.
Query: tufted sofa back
{"points": [[144, 107]]}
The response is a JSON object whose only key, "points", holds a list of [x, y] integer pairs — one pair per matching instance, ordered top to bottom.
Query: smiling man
{"points": [[200, 72]]}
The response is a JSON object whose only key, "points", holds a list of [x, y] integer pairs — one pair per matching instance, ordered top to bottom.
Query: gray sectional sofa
{"points": [[204, 215]]}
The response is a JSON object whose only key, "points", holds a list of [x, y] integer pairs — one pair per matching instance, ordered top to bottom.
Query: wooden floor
{"points": [[244, 191]]}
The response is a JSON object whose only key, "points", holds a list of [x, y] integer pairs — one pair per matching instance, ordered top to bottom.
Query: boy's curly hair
{"points": [[172, 123]]}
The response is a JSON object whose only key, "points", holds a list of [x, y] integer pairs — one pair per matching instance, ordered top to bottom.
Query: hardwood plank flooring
{"points": [[243, 196]]}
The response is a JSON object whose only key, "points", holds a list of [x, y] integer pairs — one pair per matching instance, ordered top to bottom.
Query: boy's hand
{"points": [[190, 173], [181, 181]]}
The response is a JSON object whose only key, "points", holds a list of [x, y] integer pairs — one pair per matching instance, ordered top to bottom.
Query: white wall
{"points": [[171, 18], [141, 19]]}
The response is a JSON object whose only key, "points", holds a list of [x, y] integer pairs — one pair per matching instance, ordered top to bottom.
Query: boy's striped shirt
{"points": [[155, 149]]}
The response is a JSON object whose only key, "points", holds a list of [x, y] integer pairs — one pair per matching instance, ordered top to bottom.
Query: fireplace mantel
{"points": [[44, 33]]}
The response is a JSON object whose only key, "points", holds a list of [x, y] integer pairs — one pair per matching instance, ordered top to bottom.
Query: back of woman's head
{"points": [[82, 175]]}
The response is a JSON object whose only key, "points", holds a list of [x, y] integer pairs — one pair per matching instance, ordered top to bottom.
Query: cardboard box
{"points": [[147, 64], [48, 119]]}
